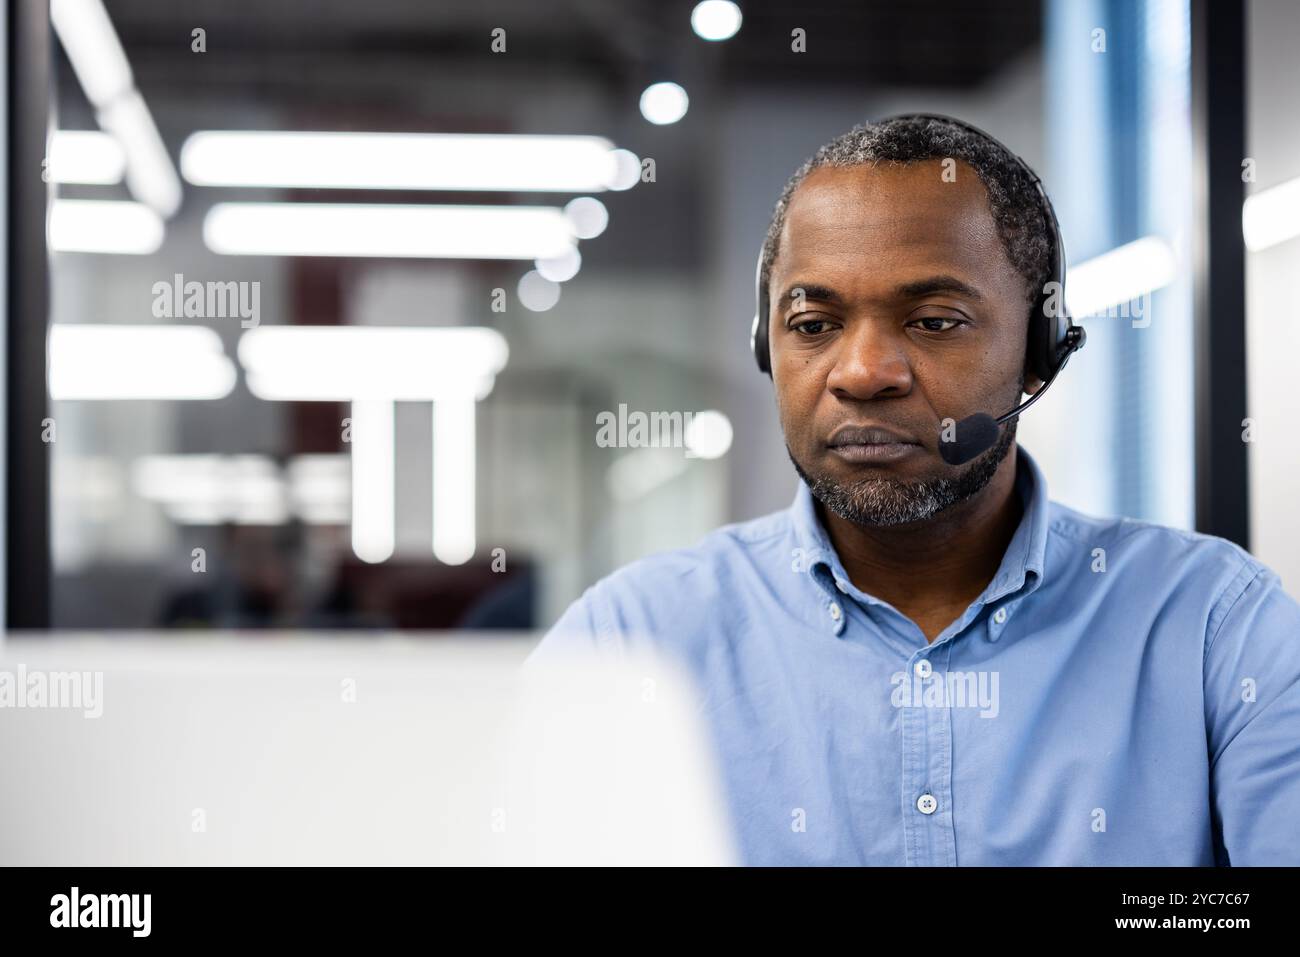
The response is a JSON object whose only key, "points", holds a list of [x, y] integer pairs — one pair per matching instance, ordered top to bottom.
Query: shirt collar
{"points": [[1022, 563]]}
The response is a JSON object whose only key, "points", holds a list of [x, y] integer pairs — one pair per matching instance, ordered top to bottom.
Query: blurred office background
{"points": [[204, 472]]}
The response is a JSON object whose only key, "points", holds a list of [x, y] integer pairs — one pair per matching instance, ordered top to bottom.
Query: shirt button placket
{"points": [[912, 721], [927, 776], [917, 797], [938, 822]]}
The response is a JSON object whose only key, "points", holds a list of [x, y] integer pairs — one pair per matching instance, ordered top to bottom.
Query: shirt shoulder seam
{"points": [[1246, 575], [604, 631]]}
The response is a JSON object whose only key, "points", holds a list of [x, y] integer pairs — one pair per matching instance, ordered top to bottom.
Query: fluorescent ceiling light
{"points": [[716, 19], [93, 49], [101, 66], [664, 103], [84, 156], [407, 161], [629, 170], [150, 176], [588, 216], [1271, 216], [104, 226], [398, 231], [560, 269], [1119, 276], [536, 292], [137, 362], [345, 363], [373, 367], [708, 434], [453, 481], [320, 488], [209, 489], [213, 489], [374, 492]]}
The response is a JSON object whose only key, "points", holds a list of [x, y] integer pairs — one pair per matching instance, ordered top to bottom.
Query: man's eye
{"points": [[935, 323], [810, 327]]}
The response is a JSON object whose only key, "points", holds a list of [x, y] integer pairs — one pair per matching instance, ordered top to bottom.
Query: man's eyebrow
{"points": [[933, 284], [812, 290], [909, 290]]}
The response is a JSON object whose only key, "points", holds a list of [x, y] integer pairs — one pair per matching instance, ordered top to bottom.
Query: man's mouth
{"points": [[871, 444]]}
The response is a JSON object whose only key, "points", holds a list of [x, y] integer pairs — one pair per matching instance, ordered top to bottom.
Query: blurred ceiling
{"points": [[923, 43], [570, 66]]}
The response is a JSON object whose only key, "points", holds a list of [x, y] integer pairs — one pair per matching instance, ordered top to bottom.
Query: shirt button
{"points": [[835, 611], [1000, 616], [923, 668], [927, 804]]}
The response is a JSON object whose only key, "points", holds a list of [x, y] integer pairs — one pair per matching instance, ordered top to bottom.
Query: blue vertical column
{"points": [[1119, 161]]}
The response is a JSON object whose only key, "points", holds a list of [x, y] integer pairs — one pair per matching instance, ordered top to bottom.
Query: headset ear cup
{"points": [[758, 332], [758, 343], [1039, 349]]}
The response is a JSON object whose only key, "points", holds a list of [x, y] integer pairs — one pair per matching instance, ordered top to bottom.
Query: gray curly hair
{"points": [[1018, 214]]}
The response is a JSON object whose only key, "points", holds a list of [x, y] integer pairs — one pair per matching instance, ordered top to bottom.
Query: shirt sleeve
{"points": [[576, 633], [1252, 708]]}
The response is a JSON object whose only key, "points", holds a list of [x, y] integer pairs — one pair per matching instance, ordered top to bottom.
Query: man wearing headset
{"points": [[925, 661]]}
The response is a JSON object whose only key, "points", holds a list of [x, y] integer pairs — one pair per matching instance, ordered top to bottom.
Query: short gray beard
{"points": [[884, 502]]}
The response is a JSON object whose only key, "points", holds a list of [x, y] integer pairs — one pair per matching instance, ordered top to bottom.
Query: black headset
{"points": [[1053, 336]]}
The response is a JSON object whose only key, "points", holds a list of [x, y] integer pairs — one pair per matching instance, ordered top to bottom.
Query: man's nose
{"points": [[870, 362]]}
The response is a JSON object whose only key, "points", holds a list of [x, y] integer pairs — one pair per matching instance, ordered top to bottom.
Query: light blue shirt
{"points": [[1122, 693]]}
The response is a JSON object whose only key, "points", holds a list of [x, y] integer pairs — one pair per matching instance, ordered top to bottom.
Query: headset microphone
{"points": [[978, 433]]}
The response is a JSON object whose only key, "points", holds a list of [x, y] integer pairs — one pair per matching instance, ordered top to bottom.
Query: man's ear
{"points": [[1032, 383]]}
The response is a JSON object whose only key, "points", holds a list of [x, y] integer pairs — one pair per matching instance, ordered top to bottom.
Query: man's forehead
{"points": [[888, 193], [890, 210]]}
